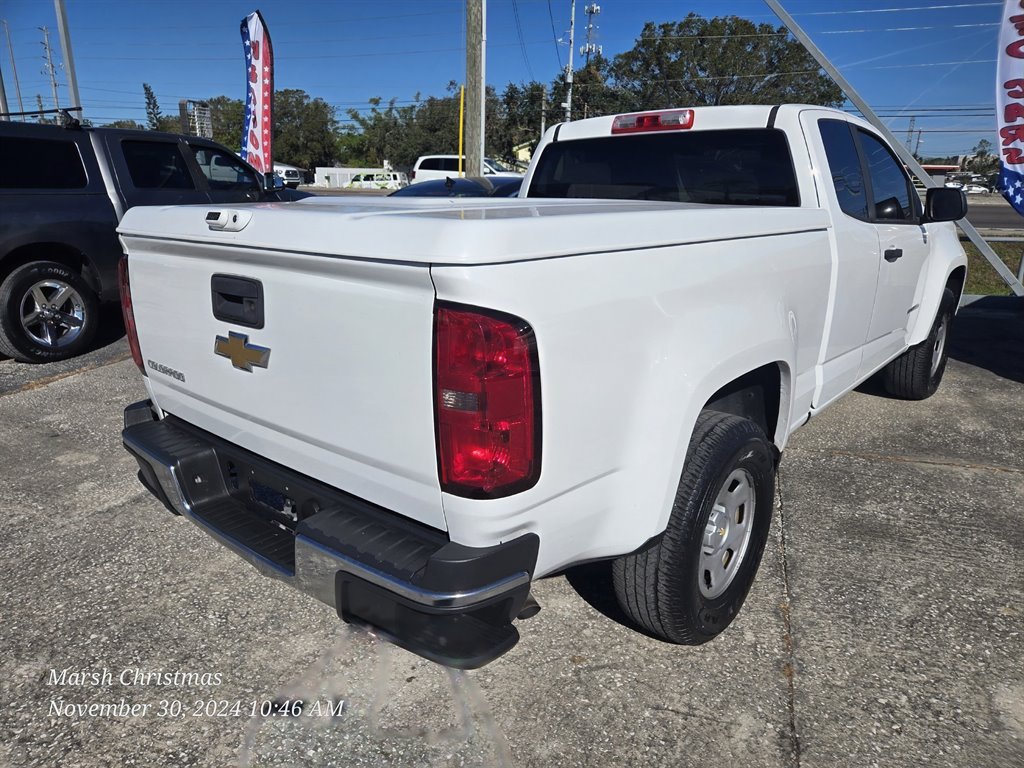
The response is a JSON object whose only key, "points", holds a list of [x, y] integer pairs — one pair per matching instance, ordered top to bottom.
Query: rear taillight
{"points": [[669, 120], [129, 314], [487, 398]]}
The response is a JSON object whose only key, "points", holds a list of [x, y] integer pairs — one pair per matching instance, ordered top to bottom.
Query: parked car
{"points": [[430, 167], [290, 175], [379, 180], [467, 186], [976, 189], [63, 192]]}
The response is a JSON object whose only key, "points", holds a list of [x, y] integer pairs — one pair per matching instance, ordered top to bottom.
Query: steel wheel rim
{"points": [[52, 313], [940, 346], [727, 534]]}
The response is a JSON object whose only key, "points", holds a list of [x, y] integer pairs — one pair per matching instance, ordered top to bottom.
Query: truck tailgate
{"points": [[345, 394]]}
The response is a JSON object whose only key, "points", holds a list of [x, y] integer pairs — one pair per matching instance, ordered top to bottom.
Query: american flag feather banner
{"points": [[259, 100], [1010, 103]]}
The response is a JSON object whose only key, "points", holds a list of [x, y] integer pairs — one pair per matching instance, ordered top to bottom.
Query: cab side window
{"points": [[844, 165], [224, 171], [889, 184]]}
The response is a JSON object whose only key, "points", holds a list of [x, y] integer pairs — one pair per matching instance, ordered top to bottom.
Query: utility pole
{"points": [[591, 45], [69, 59], [14, 69], [49, 69], [568, 69], [475, 89], [543, 108]]}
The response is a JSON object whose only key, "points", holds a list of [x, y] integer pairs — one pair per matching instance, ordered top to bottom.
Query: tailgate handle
{"points": [[237, 300]]}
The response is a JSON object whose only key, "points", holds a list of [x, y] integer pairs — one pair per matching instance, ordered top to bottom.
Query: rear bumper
{"points": [[444, 601]]}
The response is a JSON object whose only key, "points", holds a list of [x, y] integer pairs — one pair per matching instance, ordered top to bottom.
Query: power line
{"points": [[895, 10], [519, 33], [554, 36]]}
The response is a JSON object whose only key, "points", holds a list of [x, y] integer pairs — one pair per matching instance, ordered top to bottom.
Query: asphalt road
{"points": [[992, 212], [885, 627]]}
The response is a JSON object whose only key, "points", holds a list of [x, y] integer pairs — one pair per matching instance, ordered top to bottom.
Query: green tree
{"points": [[724, 60], [153, 115], [227, 116], [132, 124], [304, 129]]}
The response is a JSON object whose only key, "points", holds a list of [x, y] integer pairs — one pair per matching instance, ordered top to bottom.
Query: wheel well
{"points": [[59, 252], [955, 282], [755, 395]]}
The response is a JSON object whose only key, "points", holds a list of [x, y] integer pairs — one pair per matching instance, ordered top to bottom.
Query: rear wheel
{"points": [[47, 313], [916, 374], [689, 586]]}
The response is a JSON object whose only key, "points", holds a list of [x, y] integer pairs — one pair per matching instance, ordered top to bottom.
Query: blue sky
{"points": [[934, 59]]}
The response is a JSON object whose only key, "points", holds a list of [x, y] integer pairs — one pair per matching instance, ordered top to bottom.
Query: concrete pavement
{"points": [[885, 626]]}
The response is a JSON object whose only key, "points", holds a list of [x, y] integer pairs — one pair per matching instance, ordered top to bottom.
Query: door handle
{"points": [[892, 254], [237, 300]]}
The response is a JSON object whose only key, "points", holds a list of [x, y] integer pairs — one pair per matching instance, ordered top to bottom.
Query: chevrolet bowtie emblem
{"points": [[242, 354]]}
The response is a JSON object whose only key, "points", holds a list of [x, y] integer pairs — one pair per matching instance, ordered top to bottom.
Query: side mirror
{"points": [[272, 182], [944, 204]]}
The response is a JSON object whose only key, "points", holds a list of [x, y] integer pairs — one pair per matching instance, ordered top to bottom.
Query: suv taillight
{"points": [[129, 314], [487, 400]]}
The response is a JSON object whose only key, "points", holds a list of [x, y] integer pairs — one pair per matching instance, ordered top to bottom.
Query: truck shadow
{"points": [[987, 333], [593, 583]]}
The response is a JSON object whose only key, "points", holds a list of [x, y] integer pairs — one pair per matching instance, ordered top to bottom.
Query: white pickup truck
{"points": [[413, 408]]}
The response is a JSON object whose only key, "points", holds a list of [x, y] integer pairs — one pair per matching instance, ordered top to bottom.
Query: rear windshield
{"points": [[731, 167]]}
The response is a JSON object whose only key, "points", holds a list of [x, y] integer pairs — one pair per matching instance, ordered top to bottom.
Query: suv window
{"points": [[40, 164], [431, 164], [844, 164], [156, 165], [732, 167], [224, 171], [890, 186]]}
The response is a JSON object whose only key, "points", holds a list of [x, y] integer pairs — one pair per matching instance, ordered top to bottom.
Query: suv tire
{"points": [[47, 313]]}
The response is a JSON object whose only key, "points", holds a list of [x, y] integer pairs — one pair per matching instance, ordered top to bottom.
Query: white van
{"points": [[430, 167], [379, 180]]}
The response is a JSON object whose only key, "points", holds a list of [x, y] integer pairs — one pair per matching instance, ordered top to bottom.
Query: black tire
{"points": [[31, 333], [916, 373], [665, 588]]}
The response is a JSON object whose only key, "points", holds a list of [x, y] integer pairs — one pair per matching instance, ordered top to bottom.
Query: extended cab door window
{"points": [[845, 168], [229, 179]]}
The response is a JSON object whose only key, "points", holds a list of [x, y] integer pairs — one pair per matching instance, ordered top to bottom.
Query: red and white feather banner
{"points": [[257, 133]]}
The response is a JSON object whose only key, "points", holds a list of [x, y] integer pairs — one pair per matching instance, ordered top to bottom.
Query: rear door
{"points": [[153, 171]]}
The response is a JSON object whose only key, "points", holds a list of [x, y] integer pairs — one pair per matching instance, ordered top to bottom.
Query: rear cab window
{"points": [[156, 165], [724, 167]]}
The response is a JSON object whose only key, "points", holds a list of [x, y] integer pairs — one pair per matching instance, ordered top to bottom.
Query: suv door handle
{"points": [[892, 254]]}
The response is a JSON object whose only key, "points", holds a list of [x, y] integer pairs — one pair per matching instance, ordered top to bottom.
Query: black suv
{"points": [[63, 191]]}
